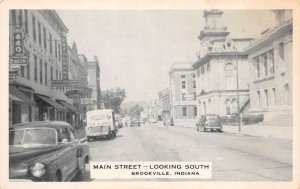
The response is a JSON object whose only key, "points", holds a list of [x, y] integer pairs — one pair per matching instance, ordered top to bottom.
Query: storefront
{"points": [[20, 106], [49, 109]]}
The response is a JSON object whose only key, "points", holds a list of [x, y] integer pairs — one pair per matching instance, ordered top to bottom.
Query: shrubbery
{"points": [[247, 120]]}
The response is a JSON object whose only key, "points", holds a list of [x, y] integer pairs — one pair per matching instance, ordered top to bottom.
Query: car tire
{"points": [[109, 136], [88, 139], [80, 176]]}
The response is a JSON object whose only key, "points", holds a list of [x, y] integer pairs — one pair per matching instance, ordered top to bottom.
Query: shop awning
{"points": [[17, 95], [52, 102], [67, 105]]}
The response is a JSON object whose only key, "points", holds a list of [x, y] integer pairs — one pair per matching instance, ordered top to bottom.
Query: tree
{"points": [[113, 98], [135, 111]]}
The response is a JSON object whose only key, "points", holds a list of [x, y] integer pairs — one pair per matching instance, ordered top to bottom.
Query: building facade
{"points": [[219, 59], [270, 62], [94, 84], [40, 88], [183, 91], [32, 96], [165, 103]]}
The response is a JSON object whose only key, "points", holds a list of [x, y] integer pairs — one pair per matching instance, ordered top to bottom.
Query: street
{"points": [[233, 157]]}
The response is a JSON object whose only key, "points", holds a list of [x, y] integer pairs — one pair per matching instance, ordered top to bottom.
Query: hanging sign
{"points": [[64, 56]]}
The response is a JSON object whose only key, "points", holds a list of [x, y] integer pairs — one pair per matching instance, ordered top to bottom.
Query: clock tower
{"points": [[213, 29]]}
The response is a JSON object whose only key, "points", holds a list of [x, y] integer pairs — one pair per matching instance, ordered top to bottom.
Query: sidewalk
{"points": [[275, 132]]}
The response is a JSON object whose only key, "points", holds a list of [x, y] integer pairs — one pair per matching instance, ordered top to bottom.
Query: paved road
{"points": [[234, 157]]}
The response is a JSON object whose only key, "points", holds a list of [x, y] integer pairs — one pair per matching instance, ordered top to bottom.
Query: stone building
{"points": [[270, 67], [216, 69], [94, 84], [183, 91], [31, 95], [164, 100]]}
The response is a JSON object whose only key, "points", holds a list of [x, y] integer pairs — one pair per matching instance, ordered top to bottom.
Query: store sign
{"points": [[18, 42], [64, 54], [19, 60], [64, 83], [86, 101]]}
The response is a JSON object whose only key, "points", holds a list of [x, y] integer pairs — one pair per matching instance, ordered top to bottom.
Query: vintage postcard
{"points": [[142, 94]]}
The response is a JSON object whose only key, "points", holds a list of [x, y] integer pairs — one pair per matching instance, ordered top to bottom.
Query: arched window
{"points": [[229, 76]]}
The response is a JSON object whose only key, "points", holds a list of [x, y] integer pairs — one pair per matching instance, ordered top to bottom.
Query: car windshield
{"points": [[99, 117], [31, 137]]}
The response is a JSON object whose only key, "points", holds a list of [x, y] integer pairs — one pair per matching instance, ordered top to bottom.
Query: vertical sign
{"points": [[18, 42], [64, 53]]}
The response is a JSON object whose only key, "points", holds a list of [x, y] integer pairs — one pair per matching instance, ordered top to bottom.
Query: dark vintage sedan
{"points": [[209, 122], [46, 151]]}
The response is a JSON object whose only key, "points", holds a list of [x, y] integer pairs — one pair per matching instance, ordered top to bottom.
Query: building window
{"points": [[13, 17], [20, 18], [26, 21], [33, 29], [40, 33], [45, 38], [50, 42], [55, 46], [59, 51], [281, 52], [271, 61], [265, 63], [257, 64], [208, 67], [35, 68], [22, 70], [202, 70], [41, 72], [51, 73], [46, 74], [56, 75], [182, 76], [194, 76], [229, 76], [194, 84], [183, 85], [195, 96], [274, 96], [266, 97], [183, 98], [258, 98], [227, 107], [195, 111], [184, 112]]}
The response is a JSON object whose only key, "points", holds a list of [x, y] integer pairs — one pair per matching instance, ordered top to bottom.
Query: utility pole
{"points": [[237, 89]]}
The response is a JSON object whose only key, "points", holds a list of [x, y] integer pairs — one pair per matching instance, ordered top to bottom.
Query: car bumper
{"points": [[97, 134], [20, 180]]}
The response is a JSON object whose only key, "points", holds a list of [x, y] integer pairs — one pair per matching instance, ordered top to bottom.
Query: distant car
{"points": [[152, 120], [169, 121], [209, 122], [135, 123], [46, 151]]}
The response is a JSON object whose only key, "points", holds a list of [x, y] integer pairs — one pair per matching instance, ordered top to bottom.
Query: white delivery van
{"points": [[100, 123]]}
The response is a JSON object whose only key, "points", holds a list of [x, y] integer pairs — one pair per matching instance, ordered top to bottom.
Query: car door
{"points": [[70, 153]]}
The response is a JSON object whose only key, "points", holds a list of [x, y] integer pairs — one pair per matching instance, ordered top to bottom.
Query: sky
{"points": [[135, 48]]}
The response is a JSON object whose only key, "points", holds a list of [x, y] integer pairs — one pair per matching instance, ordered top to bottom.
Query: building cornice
{"points": [[270, 35], [211, 55]]}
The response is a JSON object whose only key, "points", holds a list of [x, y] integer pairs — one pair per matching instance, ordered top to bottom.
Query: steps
{"points": [[279, 120]]}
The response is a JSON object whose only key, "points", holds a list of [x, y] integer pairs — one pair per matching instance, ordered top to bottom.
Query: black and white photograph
{"points": [[149, 95]]}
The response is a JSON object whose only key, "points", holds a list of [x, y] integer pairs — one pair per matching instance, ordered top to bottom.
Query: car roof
{"points": [[36, 124]]}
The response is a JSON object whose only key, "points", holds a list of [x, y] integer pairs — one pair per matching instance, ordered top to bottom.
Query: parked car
{"points": [[168, 121], [209, 122], [100, 123], [46, 151]]}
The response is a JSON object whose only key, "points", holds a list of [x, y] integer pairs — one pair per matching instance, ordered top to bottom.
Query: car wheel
{"points": [[109, 136], [88, 138], [80, 176]]}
